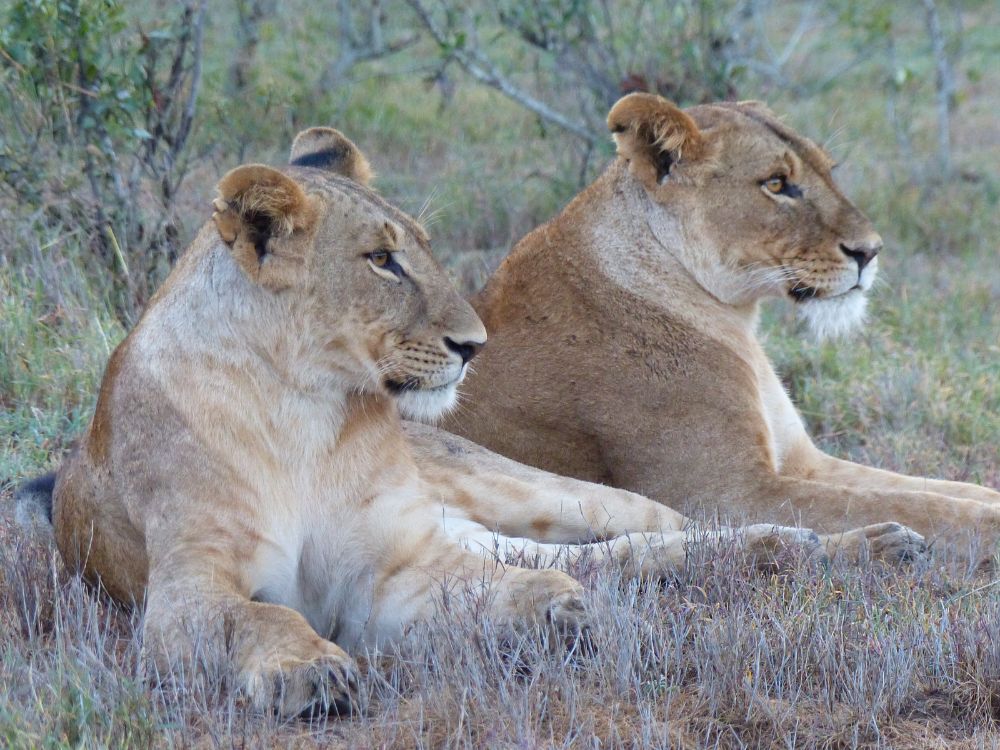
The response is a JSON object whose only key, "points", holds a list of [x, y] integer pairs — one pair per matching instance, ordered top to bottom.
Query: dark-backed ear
{"points": [[653, 135], [329, 149], [266, 219]]}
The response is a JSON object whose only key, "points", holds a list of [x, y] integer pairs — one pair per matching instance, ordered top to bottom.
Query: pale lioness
{"points": [[623, 345], [247, 476]]}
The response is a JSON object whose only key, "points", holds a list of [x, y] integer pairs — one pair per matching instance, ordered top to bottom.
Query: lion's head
{"points": [[752, 206], [354, 274]]}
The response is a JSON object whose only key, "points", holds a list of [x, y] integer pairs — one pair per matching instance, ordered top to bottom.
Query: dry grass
{"points": [[721, 657]]}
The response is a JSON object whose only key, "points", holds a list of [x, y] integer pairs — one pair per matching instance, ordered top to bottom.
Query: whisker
{"points": [[428, 217], [762, 275]]}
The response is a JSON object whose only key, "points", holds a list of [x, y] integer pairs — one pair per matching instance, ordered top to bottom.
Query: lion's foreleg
{"points": [[826, 468], [522, 501], [556, 510], [837, 510], [654, 555], [199, 621]]}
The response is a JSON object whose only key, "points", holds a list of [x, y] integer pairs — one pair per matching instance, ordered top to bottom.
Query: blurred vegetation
{"points": [[98, 109]]}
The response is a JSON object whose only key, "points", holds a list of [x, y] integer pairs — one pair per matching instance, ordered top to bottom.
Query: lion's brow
{"points": [[808, 151], [347, 186]]}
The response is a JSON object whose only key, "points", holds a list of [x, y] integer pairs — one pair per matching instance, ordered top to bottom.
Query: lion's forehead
{"points": [[772, 135], [337, 192]]}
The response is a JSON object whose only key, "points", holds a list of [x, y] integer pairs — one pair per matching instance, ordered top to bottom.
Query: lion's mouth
{"points": [[801, 292], [411, 384], [402, 386], [421, 402]]}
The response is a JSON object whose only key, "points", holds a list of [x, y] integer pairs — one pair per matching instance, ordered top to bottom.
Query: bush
{"points": [[100, 111]]}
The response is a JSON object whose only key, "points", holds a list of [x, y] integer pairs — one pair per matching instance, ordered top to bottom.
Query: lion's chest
{"points": [[321, 553], [303, 557]]}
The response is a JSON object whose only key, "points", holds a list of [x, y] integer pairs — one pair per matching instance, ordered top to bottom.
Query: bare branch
{"points": [[250, 14], [805, 25], [352, 49], [483, 70], [944, 84], [192, 100]]}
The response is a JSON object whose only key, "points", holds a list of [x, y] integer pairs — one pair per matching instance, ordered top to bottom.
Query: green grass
{"points": [[52, 354], [721, 658]]}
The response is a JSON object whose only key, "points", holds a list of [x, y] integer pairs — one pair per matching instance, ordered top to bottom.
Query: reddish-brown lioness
{"points": [[623, 345], [247, 476]]}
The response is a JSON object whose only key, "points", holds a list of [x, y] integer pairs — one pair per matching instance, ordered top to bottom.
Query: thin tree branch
{"points": [[352, 50], [480, 68], [944, 85]]}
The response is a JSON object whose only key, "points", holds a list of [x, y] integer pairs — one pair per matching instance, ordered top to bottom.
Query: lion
{"points": [[623, 331], [248, 478]]}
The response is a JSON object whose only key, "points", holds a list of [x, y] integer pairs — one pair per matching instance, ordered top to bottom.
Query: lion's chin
{"points": [[834, 317], [427, 405]]}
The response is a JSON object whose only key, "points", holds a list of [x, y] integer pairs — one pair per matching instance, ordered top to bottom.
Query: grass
{"points": [[720, 657], [850, 657]]}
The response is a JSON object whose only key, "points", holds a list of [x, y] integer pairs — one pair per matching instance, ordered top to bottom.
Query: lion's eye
{"points": [[775, 184], [778, 184], [385, 260]]}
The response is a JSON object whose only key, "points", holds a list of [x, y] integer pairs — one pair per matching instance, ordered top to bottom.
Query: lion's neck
{"points": [[644, 250]]}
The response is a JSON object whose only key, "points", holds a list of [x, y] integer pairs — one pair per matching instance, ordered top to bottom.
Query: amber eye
{"points": [[775, 184], [385, 260]]}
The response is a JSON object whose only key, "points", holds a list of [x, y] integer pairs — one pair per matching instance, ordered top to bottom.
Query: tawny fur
{"points": [[623, 333], [246, 474]]}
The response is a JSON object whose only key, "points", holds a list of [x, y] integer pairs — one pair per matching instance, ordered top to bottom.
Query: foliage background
{"points": [[116, 119]]}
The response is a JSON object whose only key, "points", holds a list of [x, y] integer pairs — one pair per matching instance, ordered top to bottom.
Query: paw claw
{"points": [[323, 687]]}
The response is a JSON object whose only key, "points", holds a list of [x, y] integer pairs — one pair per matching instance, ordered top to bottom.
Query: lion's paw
{"points": [[890, 542], [895, 543], [779, 548], [651, 559], [552, 599], [567, 614], [324, 686]]}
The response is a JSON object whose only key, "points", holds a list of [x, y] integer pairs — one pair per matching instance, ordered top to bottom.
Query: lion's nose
{"points": [[862, 254], [464, 349]]}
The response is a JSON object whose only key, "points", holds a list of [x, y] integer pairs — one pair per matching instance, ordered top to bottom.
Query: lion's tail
{"points": [[33, 502]]}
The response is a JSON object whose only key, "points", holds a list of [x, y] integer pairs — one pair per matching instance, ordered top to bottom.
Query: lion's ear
{"points": [[653, 135], [329, 149], [266, 219]]}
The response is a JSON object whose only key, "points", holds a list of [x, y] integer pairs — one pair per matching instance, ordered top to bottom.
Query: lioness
{"points": [[623, 345], [247, 476]]}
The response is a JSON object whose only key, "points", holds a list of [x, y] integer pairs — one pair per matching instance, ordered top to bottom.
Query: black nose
{"points": [[861, 255], [466, 350]]}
